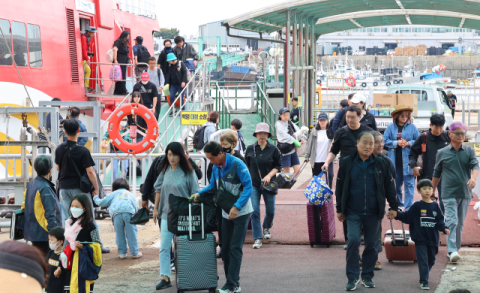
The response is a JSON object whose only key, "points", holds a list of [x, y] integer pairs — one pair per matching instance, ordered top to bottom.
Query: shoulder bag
{"points": [[286, 148], [85, 184], [272, 187], [224, 198]]}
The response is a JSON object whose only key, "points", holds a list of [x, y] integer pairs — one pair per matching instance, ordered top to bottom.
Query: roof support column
{"points": [[301, 55], [294, 57], [286, 62], [305, 73], [313, 73]]}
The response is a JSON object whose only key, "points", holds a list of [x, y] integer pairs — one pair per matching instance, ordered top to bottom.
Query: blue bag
{"points": [[317, 191]]}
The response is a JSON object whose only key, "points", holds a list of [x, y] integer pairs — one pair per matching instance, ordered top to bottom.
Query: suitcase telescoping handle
{"points": [[296, 174], [190, 228], [393, 233]]}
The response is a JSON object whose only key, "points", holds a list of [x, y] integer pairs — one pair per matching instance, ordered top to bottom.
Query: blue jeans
{"points": [[174, 90], [124, 164], [409, 181], [66, 196], [269, 212], [455, 213], [371, 225], [125, 232], [233, 237], [166, 238], [425, 259]]}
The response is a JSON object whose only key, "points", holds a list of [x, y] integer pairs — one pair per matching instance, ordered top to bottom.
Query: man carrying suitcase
{"points": [[231, 175], [364, 181]]}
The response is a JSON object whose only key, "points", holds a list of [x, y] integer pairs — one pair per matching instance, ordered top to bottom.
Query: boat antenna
{"points": [[42, 129]]}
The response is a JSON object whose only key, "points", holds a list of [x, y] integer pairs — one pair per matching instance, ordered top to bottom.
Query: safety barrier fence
{"points": [[102, 75]]}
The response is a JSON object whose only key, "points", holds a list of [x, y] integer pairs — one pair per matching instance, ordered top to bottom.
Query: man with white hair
{"points": [[452, 102], [366, 117]]}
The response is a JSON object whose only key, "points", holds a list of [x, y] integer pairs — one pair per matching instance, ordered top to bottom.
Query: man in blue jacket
{"points": [[236, 181]]}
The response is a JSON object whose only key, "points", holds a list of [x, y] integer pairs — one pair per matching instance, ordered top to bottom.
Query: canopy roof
{"points": [[339, 15]]}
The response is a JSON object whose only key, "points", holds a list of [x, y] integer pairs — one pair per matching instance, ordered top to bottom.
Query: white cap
{"points": [[358, 98]]}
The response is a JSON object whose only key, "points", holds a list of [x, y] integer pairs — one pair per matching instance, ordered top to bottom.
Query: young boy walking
{"points": [[425, 219], [56, 274]]}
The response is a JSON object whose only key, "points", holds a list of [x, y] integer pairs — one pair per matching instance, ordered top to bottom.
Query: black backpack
{"points": [[143, 54], [330, 133], [198, 143]]}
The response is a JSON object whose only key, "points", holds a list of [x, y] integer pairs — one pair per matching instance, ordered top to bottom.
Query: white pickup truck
{"points": [[431, 98]]}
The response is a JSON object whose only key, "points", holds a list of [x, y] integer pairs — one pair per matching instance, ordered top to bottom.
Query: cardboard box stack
{"points": [[398, 51], [384, 104]]}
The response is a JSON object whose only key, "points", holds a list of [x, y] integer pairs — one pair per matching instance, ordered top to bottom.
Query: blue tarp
{"points": [[454, 49], [240, 69]]}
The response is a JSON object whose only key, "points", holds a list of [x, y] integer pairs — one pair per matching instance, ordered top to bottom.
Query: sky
{"points": [[187, 15]]}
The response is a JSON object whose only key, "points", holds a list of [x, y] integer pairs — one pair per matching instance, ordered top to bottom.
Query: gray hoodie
{"points": [[282, 134]]}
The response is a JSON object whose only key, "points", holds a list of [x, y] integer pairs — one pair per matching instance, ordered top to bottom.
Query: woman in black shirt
{"points": [[121, 48], [137, 120], [229, 141], [264, 158]]}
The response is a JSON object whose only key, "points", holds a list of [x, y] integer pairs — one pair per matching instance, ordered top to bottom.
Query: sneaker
{"points": [[171, 114], [267, 234], [257, 244], [345, 247], [105, 250], [138, 255], [219, 255], [123, 256], [454, 257], [378, 266], [172, 267], [368, 283], [164, 284], [352, 284], [424, 286], [237, 289], [223, 291]]}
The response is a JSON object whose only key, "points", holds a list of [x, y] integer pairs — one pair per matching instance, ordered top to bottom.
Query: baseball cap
{"points": [[91, 29], [145, 76], [358, 98], [283, 110], [322, 116]]}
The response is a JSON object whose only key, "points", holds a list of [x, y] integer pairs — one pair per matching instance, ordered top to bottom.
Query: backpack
{"points": [[143, 54], [330, 133], [198, 143]]}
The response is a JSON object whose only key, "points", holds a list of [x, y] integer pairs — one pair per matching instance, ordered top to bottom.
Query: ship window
{"points": [[19, 43], [34, 45], [5, 57]]}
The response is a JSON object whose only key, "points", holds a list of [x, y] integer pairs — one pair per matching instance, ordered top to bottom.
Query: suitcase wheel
{"points": [[311, 245], [328, 245], [390, 261], [414, 261], [212, 290]]}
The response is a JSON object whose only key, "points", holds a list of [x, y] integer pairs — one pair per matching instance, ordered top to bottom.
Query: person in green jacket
{"points": [[124, 132]]}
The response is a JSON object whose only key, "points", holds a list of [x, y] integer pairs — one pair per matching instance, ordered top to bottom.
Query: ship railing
{"points": [[102, 76], [236, 90], [470, 95], [196, 98], [223, 109], [103, 164]]}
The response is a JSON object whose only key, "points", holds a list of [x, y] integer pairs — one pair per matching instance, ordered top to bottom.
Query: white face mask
{"points": [[144, 82], [123, 123], [76, 212], [54, 246]]}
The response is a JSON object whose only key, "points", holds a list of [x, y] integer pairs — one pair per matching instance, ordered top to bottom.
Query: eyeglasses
{"points": [[459, 133]]}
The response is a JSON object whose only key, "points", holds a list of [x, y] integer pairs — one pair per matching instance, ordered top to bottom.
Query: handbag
{"points": [[286, 148], [85, 184], [272, 187], [317, 191], [178, 215], [141, 217], [17, 225]]}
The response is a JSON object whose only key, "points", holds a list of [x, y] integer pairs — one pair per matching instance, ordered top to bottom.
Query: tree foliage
{"points": [[167, 33]]}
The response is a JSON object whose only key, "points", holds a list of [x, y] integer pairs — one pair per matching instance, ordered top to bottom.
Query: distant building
{"points": [[215, 29], [401, 36]]}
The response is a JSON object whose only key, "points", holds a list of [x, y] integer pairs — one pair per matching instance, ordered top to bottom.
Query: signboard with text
{"points": [[82, 5], [335, 82], [193, 118]]}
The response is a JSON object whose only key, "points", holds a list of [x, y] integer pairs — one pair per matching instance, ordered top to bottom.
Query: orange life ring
{"points": [[350, 81], [150, 137]]}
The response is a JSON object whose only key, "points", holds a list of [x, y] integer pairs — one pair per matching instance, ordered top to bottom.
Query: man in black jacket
{"points": [[162, 58], [426, 146], [364, 182]]}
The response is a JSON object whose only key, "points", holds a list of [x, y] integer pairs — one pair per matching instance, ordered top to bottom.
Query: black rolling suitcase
{"points": [[286, 180], [195, 259]]}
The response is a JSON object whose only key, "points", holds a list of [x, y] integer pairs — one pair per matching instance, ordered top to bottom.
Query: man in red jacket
{"points": [[86, 37]]}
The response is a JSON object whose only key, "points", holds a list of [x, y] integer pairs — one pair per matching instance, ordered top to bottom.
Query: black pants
{"points": [[121, 86], [453, 112], [317, 169], [218, 212], [42, 245], [425, 259]]}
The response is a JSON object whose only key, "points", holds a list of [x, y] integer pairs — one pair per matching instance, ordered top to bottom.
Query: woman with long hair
{"points": [[121, 49], [136, 120], [398, 137], [318, 146], [176, 177]]}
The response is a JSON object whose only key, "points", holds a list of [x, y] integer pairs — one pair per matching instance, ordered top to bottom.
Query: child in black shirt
{"points": [[425, 219], [56, 275]]}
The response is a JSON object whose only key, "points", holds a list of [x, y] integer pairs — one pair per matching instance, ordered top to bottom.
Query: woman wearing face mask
{"points": [[121, 48], [136, 120], [125, 133], [229, 141], [176, 177], [41, 205], [79, 231]]}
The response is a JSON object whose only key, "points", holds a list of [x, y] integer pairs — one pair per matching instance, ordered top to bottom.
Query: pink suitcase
{"points": [[321, 223], [400, 247]]}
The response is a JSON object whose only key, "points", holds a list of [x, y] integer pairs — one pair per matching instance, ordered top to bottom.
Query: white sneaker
{"points": [[267, 234], [257, 244], [138, 255], [123, 256], [454, 257], [172, 267], [237, 289]]}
